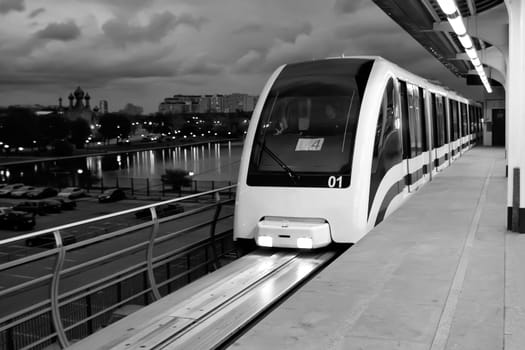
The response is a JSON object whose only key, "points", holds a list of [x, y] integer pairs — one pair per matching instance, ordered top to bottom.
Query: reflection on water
{"points": [[207, 162], [217, 162]]}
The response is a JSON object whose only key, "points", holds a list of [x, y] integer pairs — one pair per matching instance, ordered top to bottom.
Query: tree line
{"points": [[22, 127]]}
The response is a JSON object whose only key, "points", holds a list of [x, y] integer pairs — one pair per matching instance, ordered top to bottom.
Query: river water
{"points": [[208, 162]]}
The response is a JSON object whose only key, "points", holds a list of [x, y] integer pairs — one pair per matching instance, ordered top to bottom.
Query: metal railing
{"points": [[82, 283]]}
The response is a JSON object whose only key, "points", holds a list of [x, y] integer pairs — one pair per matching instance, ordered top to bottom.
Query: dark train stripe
{"points": [[439, 161], [414, 177], [394, 190]]}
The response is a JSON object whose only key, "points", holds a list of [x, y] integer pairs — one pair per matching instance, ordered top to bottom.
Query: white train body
{"points": [[305, 184]]}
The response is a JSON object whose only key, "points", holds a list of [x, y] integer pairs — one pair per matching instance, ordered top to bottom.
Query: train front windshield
{"points": [[306, 133]]}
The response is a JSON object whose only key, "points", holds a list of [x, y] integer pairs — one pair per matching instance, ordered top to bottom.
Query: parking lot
{"points": [[87, 207]]}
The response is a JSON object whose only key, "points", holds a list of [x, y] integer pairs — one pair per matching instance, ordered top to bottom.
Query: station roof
{"points": [[418, 17]]}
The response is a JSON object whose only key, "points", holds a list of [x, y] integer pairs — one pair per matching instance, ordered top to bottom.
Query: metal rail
{"points": [[163, 251]]}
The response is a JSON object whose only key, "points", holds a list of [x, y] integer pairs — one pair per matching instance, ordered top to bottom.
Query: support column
{"points": [[516, 117]]}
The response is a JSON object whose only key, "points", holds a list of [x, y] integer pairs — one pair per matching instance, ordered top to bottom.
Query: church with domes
{"points": [[79, 106]]}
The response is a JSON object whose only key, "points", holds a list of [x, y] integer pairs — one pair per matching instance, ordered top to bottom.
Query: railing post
{"points": [[101, 184], [147, 186], [132, 187], [151, 275], [55, 307]]}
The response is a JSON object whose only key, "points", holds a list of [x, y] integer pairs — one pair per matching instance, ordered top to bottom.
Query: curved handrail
{"points": [[112, 215], [55, 299]]}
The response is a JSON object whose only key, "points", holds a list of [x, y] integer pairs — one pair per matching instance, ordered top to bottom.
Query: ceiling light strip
{"points": [[456, 22]]}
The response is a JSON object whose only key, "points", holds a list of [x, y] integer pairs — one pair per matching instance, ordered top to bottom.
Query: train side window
{"points": [[412, 115], [451, 117], [423, 118], [404, 119], [464, 119], [472, 119], [480, 119], [414, 120], [433, 120], [456, 120], [440, 126], [454, 127], [461, 130], [446, 136], [387, 147]]}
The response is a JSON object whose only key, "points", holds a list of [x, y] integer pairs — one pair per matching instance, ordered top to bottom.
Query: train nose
{"points": [[304, 233]]}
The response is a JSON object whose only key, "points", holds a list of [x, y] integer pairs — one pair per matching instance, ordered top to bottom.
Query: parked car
{"points": [[6, 190], [21, 191], [41, 192], [72, 192], [111, 195], [66, 204], [53, 206], [34, 207], [163, 210], [16, 220], [48, 240]]}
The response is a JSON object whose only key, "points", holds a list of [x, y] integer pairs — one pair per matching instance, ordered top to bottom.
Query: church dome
{"points": [[79, 93]]}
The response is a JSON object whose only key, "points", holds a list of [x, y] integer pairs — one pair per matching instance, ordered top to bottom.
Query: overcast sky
{"points": [[140, 51]]}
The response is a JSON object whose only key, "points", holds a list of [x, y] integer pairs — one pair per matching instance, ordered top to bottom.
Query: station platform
{"points": [[442, 272]]}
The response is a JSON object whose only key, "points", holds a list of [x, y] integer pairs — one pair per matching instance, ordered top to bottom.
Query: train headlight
{"points": [[265, 241], [304, 243]]}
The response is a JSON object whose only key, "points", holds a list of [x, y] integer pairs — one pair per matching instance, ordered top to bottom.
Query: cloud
{"points": [[11, 5], [348, 6], [125, 8], [36, 12], [189, 20], [248, 28], [65, 31], [122, 32], [289, 34], [250, 62], [200, 65], [89, 67]]}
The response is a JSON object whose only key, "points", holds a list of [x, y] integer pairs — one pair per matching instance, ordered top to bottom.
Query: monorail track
{"points": [[215, 314]]}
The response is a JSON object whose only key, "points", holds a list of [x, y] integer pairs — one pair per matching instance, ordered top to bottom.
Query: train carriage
{"points": [[334, 146]]}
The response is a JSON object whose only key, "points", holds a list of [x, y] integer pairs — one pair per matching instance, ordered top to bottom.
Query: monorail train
{"points": [[336, 145]]}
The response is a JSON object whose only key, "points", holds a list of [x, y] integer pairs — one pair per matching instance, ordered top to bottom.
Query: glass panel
{"points": [[308, 123]]}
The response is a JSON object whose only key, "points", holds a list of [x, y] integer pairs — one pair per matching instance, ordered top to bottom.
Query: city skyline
{"points": [[140, 51]]}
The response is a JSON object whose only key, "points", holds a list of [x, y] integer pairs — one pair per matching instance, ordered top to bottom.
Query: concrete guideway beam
{"points": [[515, 104]]}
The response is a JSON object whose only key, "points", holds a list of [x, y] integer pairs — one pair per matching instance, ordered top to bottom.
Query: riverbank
{"points": [[20, 158]]}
